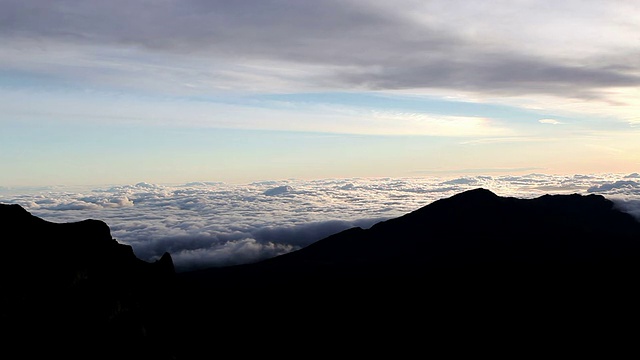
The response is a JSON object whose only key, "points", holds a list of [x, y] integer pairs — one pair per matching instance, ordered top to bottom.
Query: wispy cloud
{"points": [[549, 121]]}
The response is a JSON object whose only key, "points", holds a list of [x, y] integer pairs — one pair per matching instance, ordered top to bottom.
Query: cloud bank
{"points": [[530, 47], [207, 224]]}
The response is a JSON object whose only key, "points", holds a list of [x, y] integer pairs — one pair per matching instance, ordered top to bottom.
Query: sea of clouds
{"points": [[208, 224]]}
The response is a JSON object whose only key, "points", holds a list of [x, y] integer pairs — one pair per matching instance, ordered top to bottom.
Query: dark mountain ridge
{"points": [[475, 228], [464, 269], [467, 271], [70, 288]]}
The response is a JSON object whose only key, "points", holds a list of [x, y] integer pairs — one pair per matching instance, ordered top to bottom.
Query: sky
{"points": [[172, 92], [226, 132]]}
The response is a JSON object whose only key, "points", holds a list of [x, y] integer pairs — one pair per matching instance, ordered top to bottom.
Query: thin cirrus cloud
{"points": [[216, 224]]}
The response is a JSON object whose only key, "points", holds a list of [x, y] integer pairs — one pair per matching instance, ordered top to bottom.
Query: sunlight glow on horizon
{"points": [[128, 91]]}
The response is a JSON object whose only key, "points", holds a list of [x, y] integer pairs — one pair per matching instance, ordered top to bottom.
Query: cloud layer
{"points": [[529, 47], [214, 224]]}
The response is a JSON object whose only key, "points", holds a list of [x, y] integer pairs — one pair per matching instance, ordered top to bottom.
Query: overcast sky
{"points": [[170, 92]]}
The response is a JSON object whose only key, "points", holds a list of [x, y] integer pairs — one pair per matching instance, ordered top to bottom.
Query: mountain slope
{"points": [[475, 228], [471, 269], [470, 274], [71, 289]]}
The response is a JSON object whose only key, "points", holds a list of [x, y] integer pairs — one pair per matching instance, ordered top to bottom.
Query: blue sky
{"points": [[120, 92]]}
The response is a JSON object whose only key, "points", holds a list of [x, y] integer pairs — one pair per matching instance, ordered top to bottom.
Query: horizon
{"points": [[123, 92], [235, 134], [203, 224]]}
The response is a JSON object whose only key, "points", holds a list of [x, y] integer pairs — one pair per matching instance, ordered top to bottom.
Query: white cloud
{"points": [[549, 121], [389, 122], [213, 224]]}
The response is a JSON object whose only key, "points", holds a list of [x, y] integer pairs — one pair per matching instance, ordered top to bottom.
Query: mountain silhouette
{"points": [[474, 229], [470, 269], [469, 272], [73, 290]]}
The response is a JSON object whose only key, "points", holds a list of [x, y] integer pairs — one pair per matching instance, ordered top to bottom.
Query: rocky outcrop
{"points": [[73, 287]]}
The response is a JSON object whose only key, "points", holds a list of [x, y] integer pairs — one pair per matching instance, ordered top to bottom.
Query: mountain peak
{"points": [[477, 194], [461, 258]]}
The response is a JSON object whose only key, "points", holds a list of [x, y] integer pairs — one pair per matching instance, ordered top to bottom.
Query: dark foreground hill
{"points": [[469, 272], [472, 273], [71, 290]]}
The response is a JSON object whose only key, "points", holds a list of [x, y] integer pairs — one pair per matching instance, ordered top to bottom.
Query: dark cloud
{"points": [[271, 28], [356, 43], [499, 74], [461, 181], [618, 185], [279, 190], [624, 193], [632, 206], [305, 234], [238, 247], [199, 251]]}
